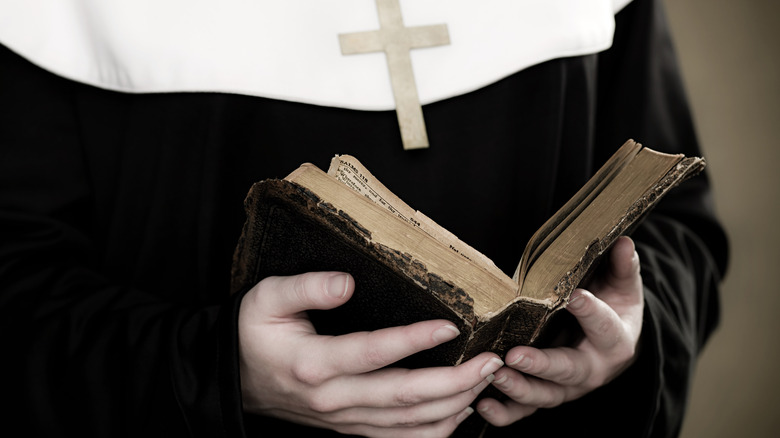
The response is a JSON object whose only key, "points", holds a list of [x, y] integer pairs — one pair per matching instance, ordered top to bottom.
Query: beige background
{"points": [[730, 55]]}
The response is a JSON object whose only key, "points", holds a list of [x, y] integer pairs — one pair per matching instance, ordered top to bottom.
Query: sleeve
{"points": [[682, 247], [84, 355]]}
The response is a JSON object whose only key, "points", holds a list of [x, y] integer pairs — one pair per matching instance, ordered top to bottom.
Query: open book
{"points": [[407, 268]]}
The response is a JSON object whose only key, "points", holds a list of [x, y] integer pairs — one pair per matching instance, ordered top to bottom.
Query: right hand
{"points": [[290, 372]]}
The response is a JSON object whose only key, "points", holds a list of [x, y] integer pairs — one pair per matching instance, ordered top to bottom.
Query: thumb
{"points": [[624, 263], [286, 296]]}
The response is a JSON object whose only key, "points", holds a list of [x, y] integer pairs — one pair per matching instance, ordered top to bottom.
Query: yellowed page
{"points": [[348, 170]]}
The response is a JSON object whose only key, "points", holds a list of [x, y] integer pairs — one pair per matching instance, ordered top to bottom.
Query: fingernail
{"points": [[337, 285], [576, 301], [446, 333], [522, 361], [491, 367], [503, 383], [482, 385], [464, 414]]}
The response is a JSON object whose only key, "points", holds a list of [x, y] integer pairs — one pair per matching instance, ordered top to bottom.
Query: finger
{"points": [[624, 259], [286, 296], [601, 324], [362, 352], [554, 368], [396, 387], [534, 392], [503, 414], [404, 416], [440, 428], [434, 430]]}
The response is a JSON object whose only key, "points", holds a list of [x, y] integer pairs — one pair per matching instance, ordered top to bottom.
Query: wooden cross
{"points": [[396, 40]]}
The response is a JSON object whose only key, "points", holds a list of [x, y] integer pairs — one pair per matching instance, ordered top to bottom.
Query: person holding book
{"points": [[130, 135]]}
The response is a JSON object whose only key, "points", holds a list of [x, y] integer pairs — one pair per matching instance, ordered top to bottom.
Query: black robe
{"points": [[119, 214]]}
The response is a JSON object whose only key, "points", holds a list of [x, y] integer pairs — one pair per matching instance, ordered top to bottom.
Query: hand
{"points": [[611, 320], [339, 382]]}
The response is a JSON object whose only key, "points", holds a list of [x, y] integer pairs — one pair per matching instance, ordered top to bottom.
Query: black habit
{"points": [[119, 213]]}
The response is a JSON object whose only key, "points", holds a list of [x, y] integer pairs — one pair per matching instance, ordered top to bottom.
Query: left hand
{"points": [[610, 317]]}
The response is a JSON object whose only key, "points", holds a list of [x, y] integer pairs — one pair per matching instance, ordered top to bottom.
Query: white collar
{"points": [[290, 49]]}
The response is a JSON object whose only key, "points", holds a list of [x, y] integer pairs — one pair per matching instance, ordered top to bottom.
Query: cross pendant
{"points": [[396, 40]]}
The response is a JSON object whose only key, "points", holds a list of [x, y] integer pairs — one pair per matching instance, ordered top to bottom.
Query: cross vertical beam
{"points": [[396, 40]]}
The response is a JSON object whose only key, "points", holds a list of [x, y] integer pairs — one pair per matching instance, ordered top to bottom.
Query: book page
{"points": [[351, 172], [632, 191], [553, 227]]}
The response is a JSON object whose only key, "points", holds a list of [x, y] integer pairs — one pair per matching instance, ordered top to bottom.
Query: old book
{"points": [[407, 268]]}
